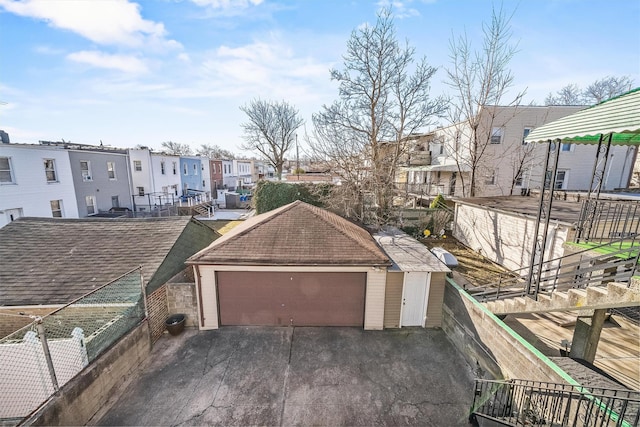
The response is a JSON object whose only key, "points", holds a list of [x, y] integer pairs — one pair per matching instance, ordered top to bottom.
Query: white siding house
{"points": [[508, 166], [165, 174], [141, 178], [35, 181]]}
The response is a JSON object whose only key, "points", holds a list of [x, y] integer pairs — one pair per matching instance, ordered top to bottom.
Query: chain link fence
{"points": [[41, 357]]}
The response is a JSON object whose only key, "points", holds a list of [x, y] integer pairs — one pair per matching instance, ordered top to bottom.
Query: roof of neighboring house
{"points": [[563, 211], [294, 234], [407, 253], [47, 261]]}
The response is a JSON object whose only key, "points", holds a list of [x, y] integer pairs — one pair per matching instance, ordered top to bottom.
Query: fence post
{"points": [[47, 355]]}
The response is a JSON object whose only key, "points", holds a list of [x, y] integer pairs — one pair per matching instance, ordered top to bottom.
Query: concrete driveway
{"points": [[299, 376]]}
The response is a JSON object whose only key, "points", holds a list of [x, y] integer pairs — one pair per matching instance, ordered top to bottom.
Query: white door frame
{"points": [[421, 303]]}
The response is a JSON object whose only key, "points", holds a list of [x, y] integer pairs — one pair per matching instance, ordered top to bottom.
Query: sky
{"points": [[130, 73]]}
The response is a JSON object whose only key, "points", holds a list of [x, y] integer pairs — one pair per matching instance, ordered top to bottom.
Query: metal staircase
{"points": [[532, 403]]}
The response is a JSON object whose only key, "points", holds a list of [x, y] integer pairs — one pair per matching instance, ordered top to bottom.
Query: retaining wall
{"points": [[490, 345], [87, 393]]}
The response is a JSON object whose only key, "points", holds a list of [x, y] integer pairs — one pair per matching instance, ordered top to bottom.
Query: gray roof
{"points": [[567, 212], [294, 234], [407, 253], [54, 261]]}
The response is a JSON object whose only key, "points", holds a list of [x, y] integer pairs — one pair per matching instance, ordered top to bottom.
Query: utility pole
{"points": [[297, 159]]}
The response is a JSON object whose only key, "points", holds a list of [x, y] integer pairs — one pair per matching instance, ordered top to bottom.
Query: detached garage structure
{"points": [[296, 265]]}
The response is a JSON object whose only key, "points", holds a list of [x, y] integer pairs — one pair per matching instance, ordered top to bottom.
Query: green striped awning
{"points": [[619, 115]]}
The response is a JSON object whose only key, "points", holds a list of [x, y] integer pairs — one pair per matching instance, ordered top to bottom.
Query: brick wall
{"points": [[181, 298], [158, 312]]}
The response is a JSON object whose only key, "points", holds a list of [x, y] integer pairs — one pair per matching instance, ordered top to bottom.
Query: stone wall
{"points": [[181, 298], [158, 312], [490, 345], [87, 393]]}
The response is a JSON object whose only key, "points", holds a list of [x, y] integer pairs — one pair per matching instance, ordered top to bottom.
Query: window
{"points": [[525, 133], [496, 135], [566, 147], [137, 165], [162, 168], [175, 168], [184, 169], [195, 169], [50, 170], [85, 170], [111, 170], [6, 175], [491, 177], [518, 179], [561, 179], [203, 184], [175, 190], [140, 191], [90, 201], [115, 202], [56, 208]]}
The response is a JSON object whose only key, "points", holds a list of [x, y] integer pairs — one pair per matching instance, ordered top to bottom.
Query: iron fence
{"points": [[38, 359], [534, 403]]}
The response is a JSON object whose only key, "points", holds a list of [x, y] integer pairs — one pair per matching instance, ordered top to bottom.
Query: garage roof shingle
{"points": [[294, 234], [54, 261]]}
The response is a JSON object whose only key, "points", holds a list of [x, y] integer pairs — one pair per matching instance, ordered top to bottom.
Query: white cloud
{"points": [[228, 4], [399, 9], [114, 22], [125, 63]]}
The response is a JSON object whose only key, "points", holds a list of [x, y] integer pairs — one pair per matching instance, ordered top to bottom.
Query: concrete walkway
{"points": [[299, 376]]}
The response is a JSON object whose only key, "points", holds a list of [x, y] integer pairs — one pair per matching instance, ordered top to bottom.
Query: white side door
{"points": [[415, 291]]}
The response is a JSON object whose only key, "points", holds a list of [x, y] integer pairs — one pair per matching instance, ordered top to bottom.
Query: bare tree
{"points": [[479, 78], [607, 88], [598, 91], [571, 94], [383, 98], [271, 130], [176, 149], [215, 152]]}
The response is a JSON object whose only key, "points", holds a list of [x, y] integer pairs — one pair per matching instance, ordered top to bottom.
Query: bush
{"points": [[271, 195], [438, 202]]}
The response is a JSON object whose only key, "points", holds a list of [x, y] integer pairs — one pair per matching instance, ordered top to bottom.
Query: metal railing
{"points": [[604, 220], [581, 269], [38, 359], [534, 403]]}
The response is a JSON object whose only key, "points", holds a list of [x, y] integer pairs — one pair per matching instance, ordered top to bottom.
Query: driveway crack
{"points": [[285, 381], [215, 395]]}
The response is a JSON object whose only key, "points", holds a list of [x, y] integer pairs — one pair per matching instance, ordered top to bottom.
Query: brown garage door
{"points": [[301, 299]]}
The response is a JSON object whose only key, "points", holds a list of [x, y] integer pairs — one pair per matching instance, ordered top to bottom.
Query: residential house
{"points": [[508, 165], [258, 170], [243, 172], [191, 175], [205, 176], [215, 176], [229, 176], [101, 177], [142, 179], [35, 181], [167, 181]]}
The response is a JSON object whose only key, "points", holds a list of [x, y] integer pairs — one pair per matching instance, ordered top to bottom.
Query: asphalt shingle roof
{"points": [[294, 234], [54, 261]]}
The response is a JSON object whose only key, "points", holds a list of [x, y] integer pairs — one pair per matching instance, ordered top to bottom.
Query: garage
{"points": [[298, 265], [296, 299]]}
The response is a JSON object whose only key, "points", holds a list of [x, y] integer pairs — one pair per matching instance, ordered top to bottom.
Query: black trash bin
{"points": [[175, 324]]}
